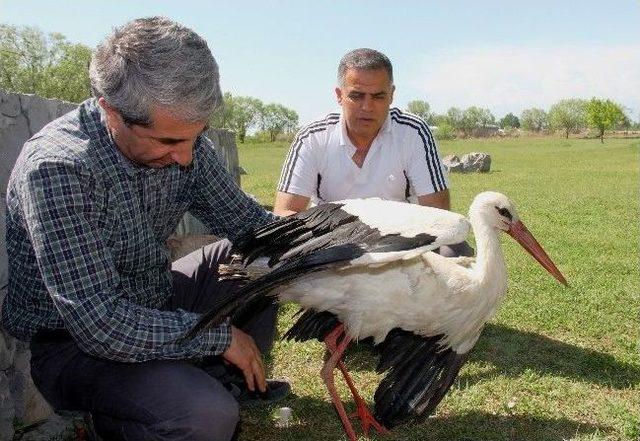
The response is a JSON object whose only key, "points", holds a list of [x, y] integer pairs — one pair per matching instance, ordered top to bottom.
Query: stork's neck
{"points": [[490, 268]]}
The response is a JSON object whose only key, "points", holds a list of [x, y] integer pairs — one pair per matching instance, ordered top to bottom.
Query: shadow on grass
{"points": [[514, 352], [316, 420], [486, 426]]}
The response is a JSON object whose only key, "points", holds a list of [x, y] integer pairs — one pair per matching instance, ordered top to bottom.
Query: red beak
{"points": [[519, 232]]}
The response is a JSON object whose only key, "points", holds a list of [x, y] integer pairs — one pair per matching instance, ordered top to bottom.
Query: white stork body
{"points": [[369, 265], [427, 294]]}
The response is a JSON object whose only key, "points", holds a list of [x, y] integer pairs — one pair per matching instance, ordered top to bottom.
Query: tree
{"points": [[46, 65], [422, 109], [238, 114], [568, 115], [604, 115], [454, 116], [475, 118], [277, 119], [534, 120], [510, 121]]}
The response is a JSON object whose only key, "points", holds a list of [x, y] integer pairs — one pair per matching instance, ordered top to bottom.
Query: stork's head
{"points": [[496, 210]]}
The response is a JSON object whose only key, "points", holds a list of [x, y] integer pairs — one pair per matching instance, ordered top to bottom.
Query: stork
{"points": [[367, 268]]}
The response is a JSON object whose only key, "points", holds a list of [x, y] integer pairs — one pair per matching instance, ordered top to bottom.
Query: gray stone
{"points": [[10, 104], [40, 111], [12, 137], [222, 141], [476, 162], [452, 163], [7, 349], [30, 406], [7, 412], [57, 427]]}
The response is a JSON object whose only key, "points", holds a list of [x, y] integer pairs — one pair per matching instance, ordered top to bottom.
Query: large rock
{"points": [[21, 117], [474, 162], [452, 163], [7, 348], [7, 412]]}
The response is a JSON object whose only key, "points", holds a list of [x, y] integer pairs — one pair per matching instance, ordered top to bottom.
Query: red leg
{"points": [[337, 349], [362, 413]]}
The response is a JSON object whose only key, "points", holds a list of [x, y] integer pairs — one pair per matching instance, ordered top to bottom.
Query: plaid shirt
{"points": [[86, 232]]}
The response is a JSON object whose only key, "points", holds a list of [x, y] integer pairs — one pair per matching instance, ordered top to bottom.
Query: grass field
{"points": [[555, 363]]}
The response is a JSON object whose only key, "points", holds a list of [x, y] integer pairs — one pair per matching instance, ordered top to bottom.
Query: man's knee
{"points": [[207, 412], [216, 422]]}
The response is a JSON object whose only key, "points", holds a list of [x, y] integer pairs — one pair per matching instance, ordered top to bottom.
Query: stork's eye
{"points": [[504, 212]]}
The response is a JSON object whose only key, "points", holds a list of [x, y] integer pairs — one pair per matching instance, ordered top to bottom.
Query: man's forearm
{"points": [[439, 199]]}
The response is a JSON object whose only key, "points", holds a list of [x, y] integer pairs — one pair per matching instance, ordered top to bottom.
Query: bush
{"points": [[444, 131]]}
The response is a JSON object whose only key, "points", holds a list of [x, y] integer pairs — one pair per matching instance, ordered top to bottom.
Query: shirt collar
{"points": [[344, 138]]}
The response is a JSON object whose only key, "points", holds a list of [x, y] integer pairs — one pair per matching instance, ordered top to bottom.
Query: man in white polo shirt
{"points": [[367, 150]]}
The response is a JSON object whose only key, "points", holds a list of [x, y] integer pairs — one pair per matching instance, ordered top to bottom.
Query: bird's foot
{"points": [[367, 420]]}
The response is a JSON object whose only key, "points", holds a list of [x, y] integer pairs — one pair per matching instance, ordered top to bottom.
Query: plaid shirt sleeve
{"points": [[220, 203], [79, 273]]}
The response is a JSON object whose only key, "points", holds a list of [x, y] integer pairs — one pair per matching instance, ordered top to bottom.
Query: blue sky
{"points": [[503, 55]]}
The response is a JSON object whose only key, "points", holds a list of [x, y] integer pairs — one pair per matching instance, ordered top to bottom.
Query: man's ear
{"points": [[393, 89], [339, 95], [111, 113]]}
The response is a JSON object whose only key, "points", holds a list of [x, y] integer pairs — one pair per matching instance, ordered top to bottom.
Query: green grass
{"points": [[555, 363]]}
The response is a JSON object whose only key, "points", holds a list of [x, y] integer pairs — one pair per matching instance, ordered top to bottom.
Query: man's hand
{"points": [[243, 353]]}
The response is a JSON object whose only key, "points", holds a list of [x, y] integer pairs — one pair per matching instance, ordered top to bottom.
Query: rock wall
{"points": [[21, 116]]}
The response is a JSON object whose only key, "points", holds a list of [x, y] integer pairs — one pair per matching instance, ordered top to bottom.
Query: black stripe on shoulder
{"points": [[428, 141], [430, 147], [292, 157], [419, 372]]}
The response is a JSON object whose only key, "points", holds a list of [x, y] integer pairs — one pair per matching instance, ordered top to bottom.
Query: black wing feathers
{"points": [[321, 227], [278, 237], [311, 325], [420, 371]]}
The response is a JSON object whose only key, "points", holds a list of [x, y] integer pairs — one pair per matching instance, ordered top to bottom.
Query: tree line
{"points": [[50, 66], [243, 113], [571, 115]]}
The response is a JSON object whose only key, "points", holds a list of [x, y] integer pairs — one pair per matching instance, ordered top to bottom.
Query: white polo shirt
{"points": [[403, 161]]}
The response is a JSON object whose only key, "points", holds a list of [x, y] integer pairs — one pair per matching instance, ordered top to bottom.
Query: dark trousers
{"points": [[154, 400]]}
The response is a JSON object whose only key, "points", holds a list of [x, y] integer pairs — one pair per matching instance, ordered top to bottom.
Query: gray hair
{"points": [[364, 59], [152, 62]]}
